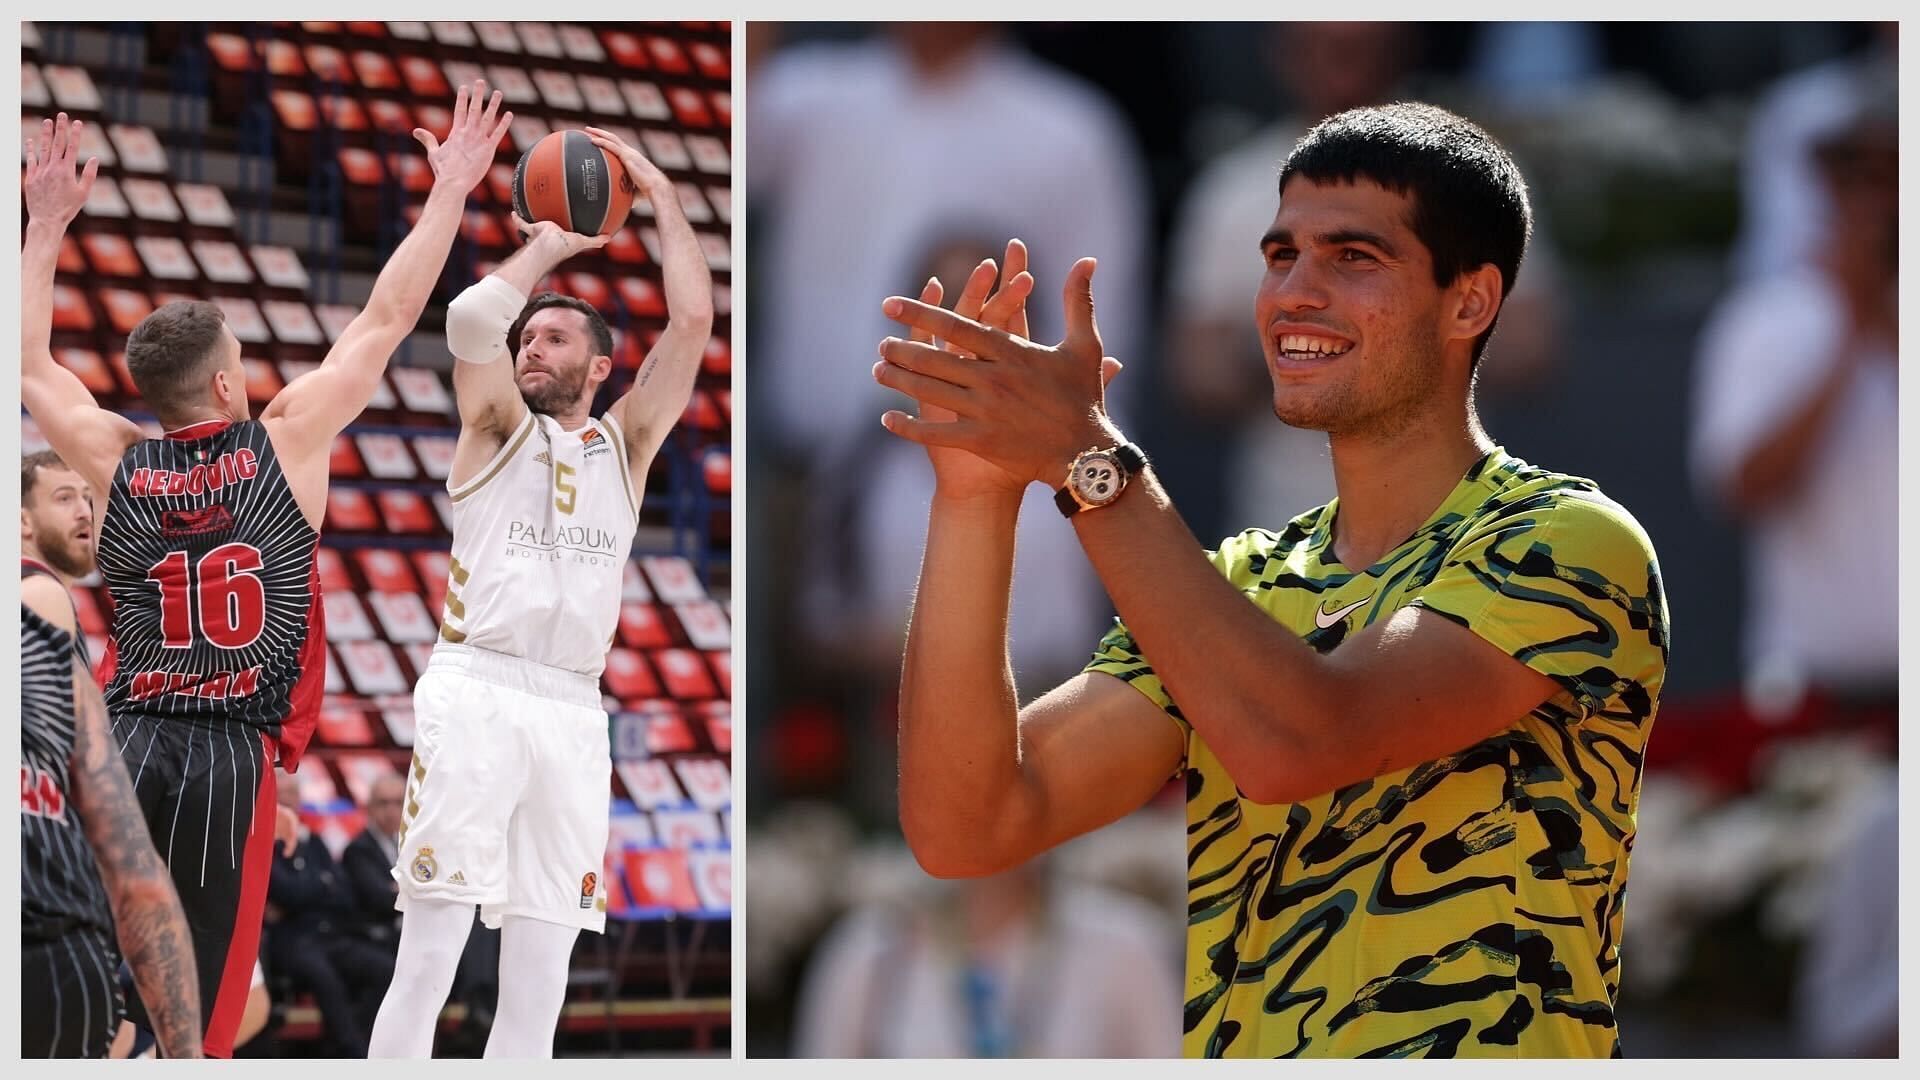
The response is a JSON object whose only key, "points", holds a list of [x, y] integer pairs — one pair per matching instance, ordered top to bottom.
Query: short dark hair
{"points": [[1469, 201], [597, 326], [169, 353], [30, 466]]}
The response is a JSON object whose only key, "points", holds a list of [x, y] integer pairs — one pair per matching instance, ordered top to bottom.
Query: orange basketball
{"points": [[569, 181]]}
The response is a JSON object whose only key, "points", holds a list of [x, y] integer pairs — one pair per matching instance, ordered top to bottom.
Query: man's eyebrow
{"points": [[1276, 236], [1334, 238]]}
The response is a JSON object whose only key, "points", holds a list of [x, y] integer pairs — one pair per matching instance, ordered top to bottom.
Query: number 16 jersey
{"points": [[540, 541], [217, 616]]}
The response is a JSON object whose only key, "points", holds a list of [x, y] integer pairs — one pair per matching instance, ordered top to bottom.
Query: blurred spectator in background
{"points": [[865, 153], [1787, 208], [1215, 366], [1797, 432], [856, 592], [368, 862], [317, 940], [1016, 965], [1849, 988]]}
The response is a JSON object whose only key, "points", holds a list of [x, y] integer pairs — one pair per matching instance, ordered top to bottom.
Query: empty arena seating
{"points": [[342, 98]]}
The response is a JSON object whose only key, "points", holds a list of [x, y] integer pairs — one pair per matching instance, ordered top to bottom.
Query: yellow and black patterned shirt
{"points": [[1470, 905]]}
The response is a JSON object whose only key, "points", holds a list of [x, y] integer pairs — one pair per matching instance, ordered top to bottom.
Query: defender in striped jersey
{"points": [[56, 539], [214, 667], [507, 800], [87, 869]]}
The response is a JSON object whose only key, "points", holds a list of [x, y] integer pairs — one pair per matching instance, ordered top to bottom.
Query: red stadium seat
{"points": [[367, 29], [457, 34], [497, 37], [577, 42], [626, 49], [231, 52], [668, 56], [283, 59], [711, 59], [329, 64], [376, 71], [424, 80], [33, 87], [72, 88], [517, 89], [560, 91], [602, 95], [646, 102], [690, 107], [722, 107], [390, 117], [435, 117], [526, 132], [139, 148], [709, 154], [412, 170], [500, 184], [721, 199], [151, 200], [105, 202], [205, 205], [479, 226], [625, 247], [110, 254], [166, 258], [71, 260], [222, 262], [280, 266], [589, 287], [641, 297], [125, 308], [334, 318], [244, 319], [292, 323], [718, 357], [117, 361], [93, 370], [263, 382], [422, 391], [723, 399], [702, 413], [436, 455], [386, 457], [716, 468], [349, 510], [406, 513], [433, 568], [333, 571], [386, 571], [673, 579], [633, 584], [404, 617], [346, 618], [705, 623], [641, 626], [722, 664], [627, 674], [684, 676], [336, 682], [718, 716], [343, 727], [667, 730], [362, 770], [707, 781], [650, 783], [683, 827], [712, 874], [658, 881]]}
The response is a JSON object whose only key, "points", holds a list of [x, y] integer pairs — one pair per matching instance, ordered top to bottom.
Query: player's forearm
{"points": [[39, 261], [686, 279], [401, 291], [1251, 688], [959, 710], [153, 936]]}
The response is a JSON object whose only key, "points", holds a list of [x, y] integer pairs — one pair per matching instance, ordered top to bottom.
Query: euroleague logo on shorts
{"points": [[587, 885]]}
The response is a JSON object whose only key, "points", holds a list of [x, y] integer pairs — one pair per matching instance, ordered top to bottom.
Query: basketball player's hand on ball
{"points": [[462, 161], [646, 176], [54, 193], [556, 241], [959, 471], [286, 829]]}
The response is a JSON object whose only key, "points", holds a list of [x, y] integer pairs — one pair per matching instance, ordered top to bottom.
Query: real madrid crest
{"points": [[424, 867]]}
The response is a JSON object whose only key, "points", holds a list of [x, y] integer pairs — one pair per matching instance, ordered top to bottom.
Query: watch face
{"points": [[1097, 478]]}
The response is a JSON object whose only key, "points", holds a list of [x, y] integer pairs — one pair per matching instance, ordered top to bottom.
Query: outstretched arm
{"points": [[659, 394], [310, 412], [88, 438], [146, 911]]}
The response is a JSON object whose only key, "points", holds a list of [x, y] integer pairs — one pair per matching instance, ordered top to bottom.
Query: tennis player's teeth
{"points": [[1300, 346]]}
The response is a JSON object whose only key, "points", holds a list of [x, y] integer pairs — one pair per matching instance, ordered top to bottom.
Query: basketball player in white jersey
{"points": [[507, 799]]}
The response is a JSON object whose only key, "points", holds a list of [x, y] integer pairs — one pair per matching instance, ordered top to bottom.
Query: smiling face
{"points": [[1354, 328], [556, 365], [56, 519]]}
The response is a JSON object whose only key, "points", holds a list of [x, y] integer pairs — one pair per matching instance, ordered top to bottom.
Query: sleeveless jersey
{"points": [[540, 538], [35, 568], [216, 597], [60, 888]]}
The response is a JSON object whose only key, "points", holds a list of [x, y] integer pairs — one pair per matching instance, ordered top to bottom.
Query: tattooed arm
{"points": [[146, 911]]}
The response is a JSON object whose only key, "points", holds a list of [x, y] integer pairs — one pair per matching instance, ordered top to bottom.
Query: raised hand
{"points": [[463, 160], [646, 176], [55, 194], [996, 410]]}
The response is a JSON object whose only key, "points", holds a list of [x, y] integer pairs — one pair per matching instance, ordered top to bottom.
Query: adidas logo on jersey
{"points": [[543, 458], [458, 878]]}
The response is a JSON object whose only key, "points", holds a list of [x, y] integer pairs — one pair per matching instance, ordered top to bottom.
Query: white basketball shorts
{"points": [[509, 790]]}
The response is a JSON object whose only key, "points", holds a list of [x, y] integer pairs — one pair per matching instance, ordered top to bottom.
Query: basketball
{"points": [[569, 181]]}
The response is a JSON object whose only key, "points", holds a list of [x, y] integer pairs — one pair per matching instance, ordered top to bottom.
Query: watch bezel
{"points": [[1086, 499]]}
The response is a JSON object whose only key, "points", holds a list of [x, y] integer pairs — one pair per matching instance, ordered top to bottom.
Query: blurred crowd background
{"points": [[1705, 324]]}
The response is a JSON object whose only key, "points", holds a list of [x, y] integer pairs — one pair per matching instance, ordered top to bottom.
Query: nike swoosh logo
{"points": [[1324, 619]]}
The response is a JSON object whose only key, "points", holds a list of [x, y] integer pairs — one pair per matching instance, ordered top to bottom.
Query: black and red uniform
{"points": [[213, 675], [70, 1003]]}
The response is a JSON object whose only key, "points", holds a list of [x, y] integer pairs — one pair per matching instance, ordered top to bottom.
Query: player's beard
{"points": [[560, 391], [1381, 405], [71, 557]]}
